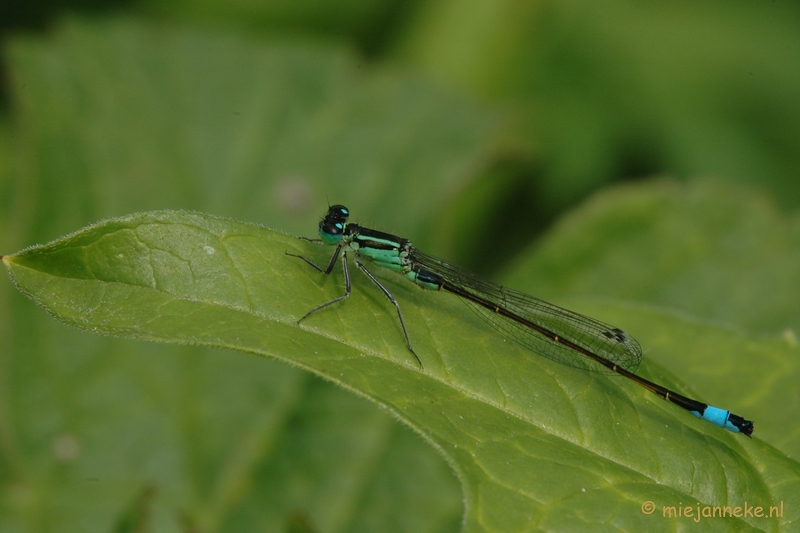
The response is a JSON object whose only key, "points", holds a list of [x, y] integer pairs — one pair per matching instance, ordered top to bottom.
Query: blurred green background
{"points": [[470, 126]]}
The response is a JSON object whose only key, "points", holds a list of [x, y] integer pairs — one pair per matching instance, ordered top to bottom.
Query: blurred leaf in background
{"points": [[371, 24], [603, 91], [229, 125], [714, 250]]}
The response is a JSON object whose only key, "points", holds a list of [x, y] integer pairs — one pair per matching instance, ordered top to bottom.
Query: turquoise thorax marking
{"points": [[377, 242], [384, 252], [393, 255], [388, 258]]}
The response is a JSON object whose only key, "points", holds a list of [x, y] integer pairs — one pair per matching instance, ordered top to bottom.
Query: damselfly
{"points": [[546, 329]]}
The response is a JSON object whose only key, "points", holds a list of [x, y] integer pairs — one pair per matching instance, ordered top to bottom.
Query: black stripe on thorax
{"points": [[376, 239]]}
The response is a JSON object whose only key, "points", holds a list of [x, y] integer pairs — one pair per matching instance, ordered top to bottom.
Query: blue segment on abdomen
{"points": [[718, 417]]}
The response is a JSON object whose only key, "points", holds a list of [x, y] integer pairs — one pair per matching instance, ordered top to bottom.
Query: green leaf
{"points": [[535, 444]]}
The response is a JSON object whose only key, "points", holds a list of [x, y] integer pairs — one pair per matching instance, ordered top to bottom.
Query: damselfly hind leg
{"points": [[392, 299]]}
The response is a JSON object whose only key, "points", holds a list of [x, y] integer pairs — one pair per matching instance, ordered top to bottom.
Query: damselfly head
{"points": [[332, 226]]}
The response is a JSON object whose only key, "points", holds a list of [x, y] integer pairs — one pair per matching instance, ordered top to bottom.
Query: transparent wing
{"points": [[601, 339]]}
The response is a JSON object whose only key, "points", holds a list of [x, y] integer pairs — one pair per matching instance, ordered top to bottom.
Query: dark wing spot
{"points": [[617, 335]]}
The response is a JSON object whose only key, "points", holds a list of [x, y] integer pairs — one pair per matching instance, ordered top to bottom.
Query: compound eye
{"points": [[338, 212], [331, 228]]}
